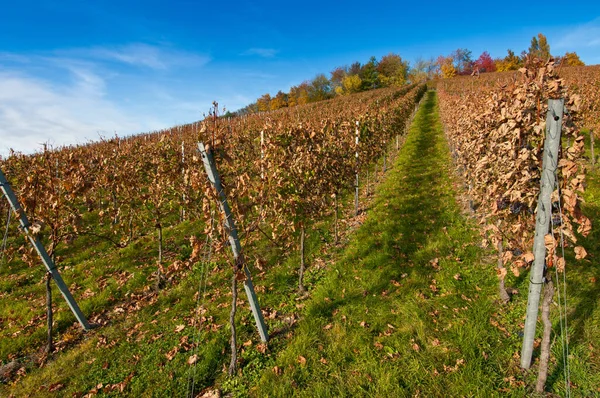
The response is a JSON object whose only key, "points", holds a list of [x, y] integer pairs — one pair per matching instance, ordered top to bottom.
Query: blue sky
{"points": [[71, 71]]}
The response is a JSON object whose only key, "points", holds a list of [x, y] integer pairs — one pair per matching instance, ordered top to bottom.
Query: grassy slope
{"points": [[410, 309], [407, 310]]}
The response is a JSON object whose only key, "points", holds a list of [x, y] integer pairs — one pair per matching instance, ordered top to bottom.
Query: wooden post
{"points": [[357, 136], [592, 146], [262, 155], [183, 172], [543, 218], [336, 219], [234, 242], [41, 250], [301, 288], [49, 320]]}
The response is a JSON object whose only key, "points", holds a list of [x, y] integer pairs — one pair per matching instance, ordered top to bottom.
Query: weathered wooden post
{"points": [[357, 136], [592, 146], [543, 218], [234, 242], [41, 250]]}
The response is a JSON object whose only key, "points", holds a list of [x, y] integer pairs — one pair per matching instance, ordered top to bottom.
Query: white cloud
{"points": [[586, 35], [261, 52], [139, 54], [72, 96], [33, 112]]}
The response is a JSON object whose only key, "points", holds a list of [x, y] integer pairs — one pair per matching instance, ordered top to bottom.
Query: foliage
{"points": [[539, 48], [572, 59], [463, 63], [485, 63], [508, 63], [447, 68], [392, 70], [369, 75], [350, 84], [498, 145]]}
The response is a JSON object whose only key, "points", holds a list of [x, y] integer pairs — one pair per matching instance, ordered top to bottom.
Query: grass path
{"points": [[407, 309]]}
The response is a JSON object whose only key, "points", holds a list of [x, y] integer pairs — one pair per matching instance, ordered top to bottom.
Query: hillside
{"points": [[400, 299]]}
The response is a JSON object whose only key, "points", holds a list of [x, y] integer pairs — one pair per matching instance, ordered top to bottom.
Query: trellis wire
{"points": [[5, 236], [200, 302], [562, 303]]}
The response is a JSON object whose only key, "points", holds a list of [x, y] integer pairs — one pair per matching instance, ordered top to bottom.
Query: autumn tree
{"points": [[539, 48], [572, 59], [510, 62], [463, 63], [485, 63], [446, 64], [354, 69], [392, 70], [417, 71], [337, 76], [350, 84], [298, 94], [279, 101], [264, 103]]}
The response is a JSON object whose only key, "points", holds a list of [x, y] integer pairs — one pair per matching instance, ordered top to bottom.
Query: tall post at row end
{"points": [[356, 141], [542, 226], [234, 242], [41, 250]]}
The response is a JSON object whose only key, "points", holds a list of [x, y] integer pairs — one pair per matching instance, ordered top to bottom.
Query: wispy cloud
{"points": [[585, 35], [261, 52], [140, 54], [72, 96], [33, 112]]}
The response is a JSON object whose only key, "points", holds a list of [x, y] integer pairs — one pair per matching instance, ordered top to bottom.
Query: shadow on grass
{"points": [[583, 291]]}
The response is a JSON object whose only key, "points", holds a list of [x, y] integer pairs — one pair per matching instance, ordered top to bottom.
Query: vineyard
{"points": [[282, 171], [136, 229]]}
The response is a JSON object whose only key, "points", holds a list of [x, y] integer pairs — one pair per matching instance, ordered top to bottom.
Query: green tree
{"points": [[369, 75], [320, 88]]}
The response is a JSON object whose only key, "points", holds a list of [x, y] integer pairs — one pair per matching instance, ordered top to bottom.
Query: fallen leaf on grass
{"points": [[580, 253], [179, 328], [192, 360], [301, 360], [55, 387]]}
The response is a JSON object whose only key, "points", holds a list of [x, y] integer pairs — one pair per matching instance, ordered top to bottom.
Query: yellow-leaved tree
{"points": [[572, 59]]}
